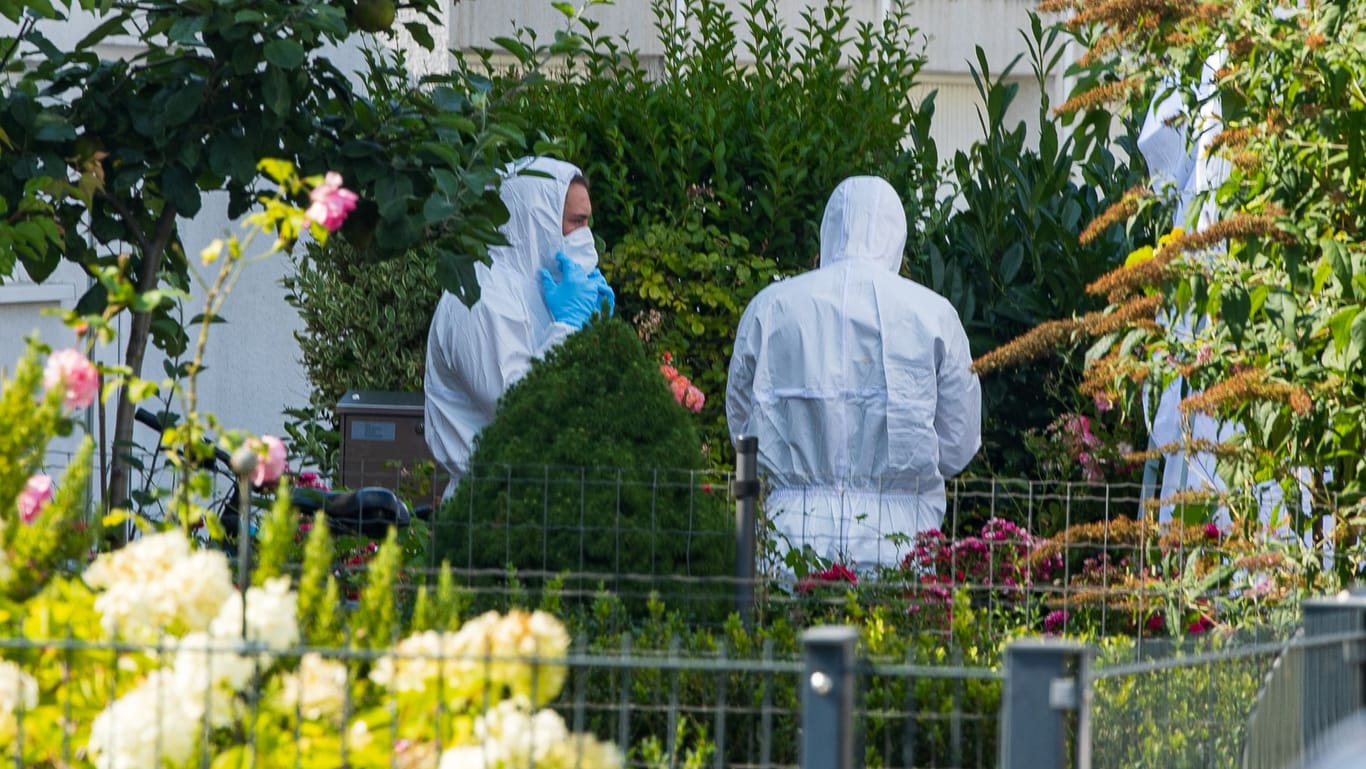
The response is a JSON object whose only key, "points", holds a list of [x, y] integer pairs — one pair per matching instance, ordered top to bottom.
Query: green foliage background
{"points": [[709, 179]]}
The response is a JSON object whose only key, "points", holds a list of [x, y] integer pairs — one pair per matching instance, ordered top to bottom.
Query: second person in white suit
{"points": [[857, 384]]}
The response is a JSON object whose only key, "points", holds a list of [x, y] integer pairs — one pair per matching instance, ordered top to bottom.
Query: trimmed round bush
{"points": [[591, 471]]}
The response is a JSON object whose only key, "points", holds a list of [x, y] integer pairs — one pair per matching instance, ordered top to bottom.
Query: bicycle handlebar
{"points": [[153, 421]]}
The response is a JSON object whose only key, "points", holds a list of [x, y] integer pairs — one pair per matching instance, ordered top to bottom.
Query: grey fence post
{"points": [[746, 491], [1045, 680], [1334, 684], [827, 687]]}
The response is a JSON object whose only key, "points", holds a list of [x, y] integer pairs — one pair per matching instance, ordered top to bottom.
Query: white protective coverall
{"points": [[1178, 155], [474, 354], [856, 383]]}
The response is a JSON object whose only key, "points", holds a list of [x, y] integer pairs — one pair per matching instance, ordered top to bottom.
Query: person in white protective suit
{"points": [[1177, 145], [1177, 152], [541, 287], [857, 384]]}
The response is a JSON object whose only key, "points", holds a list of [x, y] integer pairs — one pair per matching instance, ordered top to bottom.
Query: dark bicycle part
{"points": [[368, 511]]}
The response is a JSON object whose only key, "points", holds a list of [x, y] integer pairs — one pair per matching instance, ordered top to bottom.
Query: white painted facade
{"points": [[253, 371]]}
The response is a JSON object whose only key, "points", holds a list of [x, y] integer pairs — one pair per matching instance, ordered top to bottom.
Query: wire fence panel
{"points": [[167, 704], [1189, 709]]}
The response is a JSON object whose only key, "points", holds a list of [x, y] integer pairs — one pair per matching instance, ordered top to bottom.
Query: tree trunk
{"points": [[138, 333]]}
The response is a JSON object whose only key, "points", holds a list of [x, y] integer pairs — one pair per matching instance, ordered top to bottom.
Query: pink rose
{"points": [[331, 202], [71, 369], [670, 373], [679, 387], [693, 399], [269, 469], [37, 492]]}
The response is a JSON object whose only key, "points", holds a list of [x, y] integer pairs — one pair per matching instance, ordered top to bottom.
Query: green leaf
{"points": [[186, 29], [421, 34], [515, 47], [285, 53], [275, 92], [183, 103], [53, 128], [179, 189], [438, 208], [1010, 262], [455, 274], [1235, 308], [1281, 309], [1341, 326], [1357, 344]]}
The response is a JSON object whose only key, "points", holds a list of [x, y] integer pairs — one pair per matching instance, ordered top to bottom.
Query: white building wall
{"points": [[253, 370]]}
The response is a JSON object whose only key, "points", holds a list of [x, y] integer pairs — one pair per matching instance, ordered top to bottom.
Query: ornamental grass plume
{"points": [[1131, 13], [1109, 93], [1119, 211], [1049, 335], [1244, 387], [1195, 446], [1187, 498]]}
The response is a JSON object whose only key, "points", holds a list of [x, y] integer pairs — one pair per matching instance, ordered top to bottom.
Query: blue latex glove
{"points": [[605, 292], [573, 300]]}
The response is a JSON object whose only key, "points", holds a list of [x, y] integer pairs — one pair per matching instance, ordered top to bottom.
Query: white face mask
{"points": [[580, 247]]}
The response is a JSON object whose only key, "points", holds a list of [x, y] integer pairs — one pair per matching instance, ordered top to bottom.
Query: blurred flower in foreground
{"points": [[331, 203], [71, 369], [272, 466], [37, 492]]}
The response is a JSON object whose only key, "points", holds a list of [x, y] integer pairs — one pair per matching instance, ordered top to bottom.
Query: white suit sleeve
{"points": [[498, 351], [740, 378], [958, 409]]}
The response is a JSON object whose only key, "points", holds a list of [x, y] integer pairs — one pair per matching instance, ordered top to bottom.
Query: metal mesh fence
{"points": [[657, 709]]}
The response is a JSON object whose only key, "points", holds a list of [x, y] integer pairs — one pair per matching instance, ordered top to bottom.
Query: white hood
{"points": [[534, 191], [864, 222]]}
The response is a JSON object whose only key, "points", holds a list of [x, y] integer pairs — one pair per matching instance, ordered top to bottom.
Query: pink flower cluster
{"points": [[331, 203], [70, 369], [685, 392], [1082, 444], [310, 480], [37, 492], [996, 559], [838, 573]]}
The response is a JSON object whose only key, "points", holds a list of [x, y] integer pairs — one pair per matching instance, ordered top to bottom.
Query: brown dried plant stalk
{"points": [[1120, 210], [1047, 336], [1245, 387]]}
